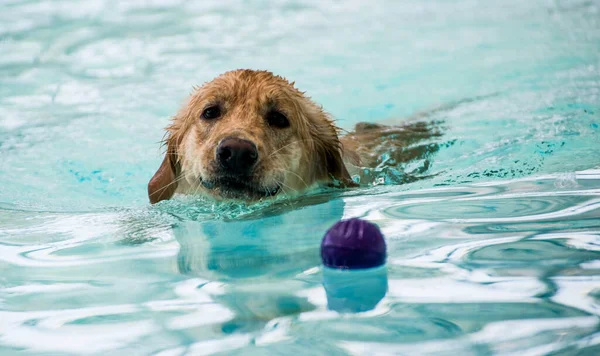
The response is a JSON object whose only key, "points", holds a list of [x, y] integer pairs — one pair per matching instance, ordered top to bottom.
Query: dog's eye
{"points": [[211, 112], [277, 119]]}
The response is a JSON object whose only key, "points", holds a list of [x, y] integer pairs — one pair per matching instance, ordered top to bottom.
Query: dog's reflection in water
{"points": [[260, 261]]}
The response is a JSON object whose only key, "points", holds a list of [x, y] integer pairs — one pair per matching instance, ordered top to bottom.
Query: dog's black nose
{"points": [[237, 156]]}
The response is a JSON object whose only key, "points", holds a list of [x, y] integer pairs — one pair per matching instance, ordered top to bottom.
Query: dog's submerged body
{"points": [[251, 135]]}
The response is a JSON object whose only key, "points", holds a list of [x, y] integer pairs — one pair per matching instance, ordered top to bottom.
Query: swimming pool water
{"points": [[494, 249]]}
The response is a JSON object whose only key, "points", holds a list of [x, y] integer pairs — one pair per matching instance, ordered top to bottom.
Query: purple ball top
{"points": [[355, 234]]}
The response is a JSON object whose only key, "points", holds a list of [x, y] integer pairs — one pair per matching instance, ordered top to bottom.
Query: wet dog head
{"points": [[248, 135]]}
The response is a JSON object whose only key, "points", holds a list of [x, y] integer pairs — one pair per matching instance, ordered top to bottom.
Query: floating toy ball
{"points": [[353, 244]]}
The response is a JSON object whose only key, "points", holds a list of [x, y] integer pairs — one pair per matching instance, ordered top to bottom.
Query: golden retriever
{"points": [[250, 135]]}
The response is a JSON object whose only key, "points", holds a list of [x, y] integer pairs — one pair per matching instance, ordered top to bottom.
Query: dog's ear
{"points": [[329, 154], [163, 184]]}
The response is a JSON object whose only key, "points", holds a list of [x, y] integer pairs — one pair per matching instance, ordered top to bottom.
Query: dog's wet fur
{"points": [[250, 135]]}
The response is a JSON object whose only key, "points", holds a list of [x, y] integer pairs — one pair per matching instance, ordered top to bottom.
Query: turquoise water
{"points": [[493, 250]]}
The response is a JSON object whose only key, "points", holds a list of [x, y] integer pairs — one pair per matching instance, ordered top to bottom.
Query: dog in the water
{"points": [[250, 135]]}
